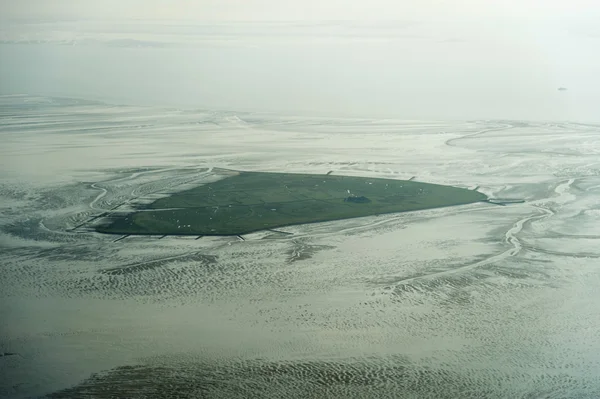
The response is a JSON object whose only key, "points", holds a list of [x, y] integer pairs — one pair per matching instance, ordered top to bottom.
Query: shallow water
{"points": [[473, 301]]}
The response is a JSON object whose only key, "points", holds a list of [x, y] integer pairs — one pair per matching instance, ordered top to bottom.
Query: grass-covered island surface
{"points": [[245, 202]]}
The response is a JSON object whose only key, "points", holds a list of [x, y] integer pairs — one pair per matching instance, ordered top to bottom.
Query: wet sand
{"points": [[471, 301]]}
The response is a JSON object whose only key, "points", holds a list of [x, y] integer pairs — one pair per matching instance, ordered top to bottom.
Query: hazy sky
{"points": [[225, 10], [457, 59]]}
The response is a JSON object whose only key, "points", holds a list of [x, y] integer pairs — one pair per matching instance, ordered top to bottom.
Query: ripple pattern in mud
{"points": [[476, 301], [390, 377]]}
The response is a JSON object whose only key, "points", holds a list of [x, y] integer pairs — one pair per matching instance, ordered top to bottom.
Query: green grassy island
{"points": [[246, 202]]}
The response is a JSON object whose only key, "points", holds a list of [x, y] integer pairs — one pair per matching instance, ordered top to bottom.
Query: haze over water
{"points": [[433, 60], [102, 105]]}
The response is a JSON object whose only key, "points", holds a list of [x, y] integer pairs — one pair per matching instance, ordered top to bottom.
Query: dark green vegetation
{"points": [[253, 201]]}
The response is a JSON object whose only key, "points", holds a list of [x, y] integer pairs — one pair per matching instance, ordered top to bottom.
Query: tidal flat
{"points": [[470, 301]]}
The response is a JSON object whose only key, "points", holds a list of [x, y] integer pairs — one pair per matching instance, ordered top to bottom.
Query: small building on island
{"points": [[357, 200]]}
